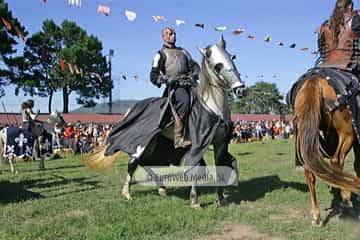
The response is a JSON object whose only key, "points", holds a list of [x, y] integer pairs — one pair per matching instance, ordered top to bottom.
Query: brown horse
{"points": [[316, 125]]}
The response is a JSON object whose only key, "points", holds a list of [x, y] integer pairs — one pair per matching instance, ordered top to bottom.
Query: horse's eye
{"points": [[233, 57], [218, 67]]}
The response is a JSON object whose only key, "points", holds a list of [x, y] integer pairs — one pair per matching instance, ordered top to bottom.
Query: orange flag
{"points": [[103, 9], [158, 18], [6, 24], [62, 64]]}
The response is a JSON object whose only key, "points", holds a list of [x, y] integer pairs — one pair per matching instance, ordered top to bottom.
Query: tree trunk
{"points": [[50, 100], [65, 100]]}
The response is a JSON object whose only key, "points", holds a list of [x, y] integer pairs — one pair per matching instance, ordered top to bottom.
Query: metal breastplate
{"points": [[176, 63]]}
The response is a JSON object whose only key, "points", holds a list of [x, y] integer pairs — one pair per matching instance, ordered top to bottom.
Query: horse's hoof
{"points": [[162, 192], [126, 195], [222, 203], [347, 205], [195, 206], [317, 223]]}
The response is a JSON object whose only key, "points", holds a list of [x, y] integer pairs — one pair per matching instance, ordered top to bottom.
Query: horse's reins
{"points": [[223, 86]]}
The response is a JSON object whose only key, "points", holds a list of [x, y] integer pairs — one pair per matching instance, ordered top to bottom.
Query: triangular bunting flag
{"points": [[103, 9], [131, 16], [238, 31]]}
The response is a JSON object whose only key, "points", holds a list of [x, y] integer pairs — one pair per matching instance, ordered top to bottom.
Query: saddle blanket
{"points": [[19, 142]]}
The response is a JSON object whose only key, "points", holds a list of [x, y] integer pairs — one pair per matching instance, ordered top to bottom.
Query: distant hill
{"points": [[119, 106]]}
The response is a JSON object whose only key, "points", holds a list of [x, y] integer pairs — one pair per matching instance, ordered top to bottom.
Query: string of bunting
{"points": [[132, 15]]}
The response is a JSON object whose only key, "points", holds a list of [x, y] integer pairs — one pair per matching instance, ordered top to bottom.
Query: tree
{"points": [[10, 29], [85, 52], [64, 58], [36, 75], [261, 98]]}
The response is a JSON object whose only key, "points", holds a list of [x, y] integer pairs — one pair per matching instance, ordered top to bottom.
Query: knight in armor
{"points": [[338, 39], [174, 67], [27, 114]]}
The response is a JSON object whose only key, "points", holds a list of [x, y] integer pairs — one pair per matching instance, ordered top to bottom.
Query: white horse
{"points": [[217, 78], [38, 129]]}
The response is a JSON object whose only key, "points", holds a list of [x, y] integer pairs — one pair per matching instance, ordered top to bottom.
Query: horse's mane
{"points": [[207, 79]]}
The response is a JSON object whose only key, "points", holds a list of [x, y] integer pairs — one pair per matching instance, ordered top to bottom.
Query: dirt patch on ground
{"points": [[291, 215], [239, 232]]}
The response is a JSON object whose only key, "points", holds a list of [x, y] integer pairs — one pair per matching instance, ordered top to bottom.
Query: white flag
{"points": [[76, 3], [131, 16], [179, 22]]}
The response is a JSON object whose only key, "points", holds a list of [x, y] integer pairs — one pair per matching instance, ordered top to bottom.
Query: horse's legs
{"points": [[346, 140], [40, 141], [356, 149], [221, 156], [11, 159], [338, 160], [42, 164], [132, 166], [159, 183], [194, 200], [315, 211]]}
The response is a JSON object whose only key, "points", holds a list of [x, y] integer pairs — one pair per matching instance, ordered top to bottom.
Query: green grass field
{"points": [[68, 201]]}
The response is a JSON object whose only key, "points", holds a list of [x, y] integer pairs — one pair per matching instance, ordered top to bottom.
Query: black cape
{"points": [[141, 128]]}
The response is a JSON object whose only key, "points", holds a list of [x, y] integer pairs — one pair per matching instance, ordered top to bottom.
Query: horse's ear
{"points": [[222, 42], [202, 51], [206, 53]]}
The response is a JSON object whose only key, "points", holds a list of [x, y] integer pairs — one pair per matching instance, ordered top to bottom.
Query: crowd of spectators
{"points": [[261, 130], [81, 138]]}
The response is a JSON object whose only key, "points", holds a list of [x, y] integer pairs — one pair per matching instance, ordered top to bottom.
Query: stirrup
{"points": [[181, 143]]}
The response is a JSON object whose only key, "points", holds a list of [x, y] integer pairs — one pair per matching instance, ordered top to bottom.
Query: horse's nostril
{"points": [[239, 92]]}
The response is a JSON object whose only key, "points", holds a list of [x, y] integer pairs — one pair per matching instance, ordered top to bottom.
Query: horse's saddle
{"points": [[346, 86]]}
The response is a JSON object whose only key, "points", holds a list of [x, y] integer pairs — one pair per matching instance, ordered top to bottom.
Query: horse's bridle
{"points": [[222, 85]]}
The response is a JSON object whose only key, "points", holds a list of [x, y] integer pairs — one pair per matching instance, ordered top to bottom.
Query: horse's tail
{"points": [[308, 109], [98, 161]]}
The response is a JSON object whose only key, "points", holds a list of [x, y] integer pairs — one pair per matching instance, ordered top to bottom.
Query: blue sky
{"points": [[135, 43]]}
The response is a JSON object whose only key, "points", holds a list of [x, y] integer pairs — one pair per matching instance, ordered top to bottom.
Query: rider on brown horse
{"points": [[339, 39], [175, 67]]}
